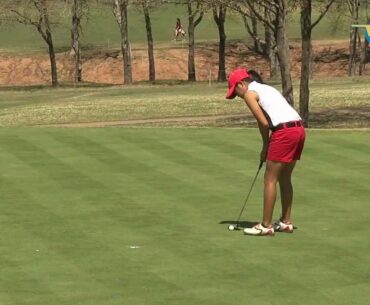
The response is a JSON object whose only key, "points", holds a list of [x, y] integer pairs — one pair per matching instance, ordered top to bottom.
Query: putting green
{"points": [[132, 216]]}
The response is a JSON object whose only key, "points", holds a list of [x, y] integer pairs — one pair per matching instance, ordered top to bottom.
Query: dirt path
{"points": [[342, 118], [143, 122]]}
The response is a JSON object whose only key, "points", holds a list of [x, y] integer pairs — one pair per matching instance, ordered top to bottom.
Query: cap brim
{"points": [[231, 93]]}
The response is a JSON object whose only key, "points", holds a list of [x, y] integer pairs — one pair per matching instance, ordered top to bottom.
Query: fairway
{"points": [[132, 216]]}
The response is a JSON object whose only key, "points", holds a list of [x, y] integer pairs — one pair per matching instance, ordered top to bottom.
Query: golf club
{"points": [[246, 200]]}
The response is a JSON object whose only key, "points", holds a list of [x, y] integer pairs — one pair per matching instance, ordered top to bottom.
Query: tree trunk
{"points": [[353, 7], [120, 12], [219, 18], [193, 22], [44, 29], [306, 31], [75, 35], [149, 36], [257, 42], [125, 46], [258, 46], [269, 49], [360, 50], [352, 52], [283, 53], [191, 55], [53, 62]]}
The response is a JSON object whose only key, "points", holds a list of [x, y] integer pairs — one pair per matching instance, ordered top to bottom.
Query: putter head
{"points": [[238, 226]]}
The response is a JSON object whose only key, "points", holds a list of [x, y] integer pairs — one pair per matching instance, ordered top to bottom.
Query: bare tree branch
{"points": [[323, 13]]}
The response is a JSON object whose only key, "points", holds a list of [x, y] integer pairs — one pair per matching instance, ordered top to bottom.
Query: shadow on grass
{"points": [[64, 85], [92, 85], [341, 117], [350, 117], [242, 224]]}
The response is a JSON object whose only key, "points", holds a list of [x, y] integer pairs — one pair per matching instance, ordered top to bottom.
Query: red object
{"points": [[235, 77], [286, 144]]}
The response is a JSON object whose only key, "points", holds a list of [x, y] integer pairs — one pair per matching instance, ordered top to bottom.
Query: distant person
{"points": [[179, 30], [283, 137]]}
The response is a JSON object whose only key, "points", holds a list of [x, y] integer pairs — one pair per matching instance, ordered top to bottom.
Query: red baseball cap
{"points": [[234, 78]]}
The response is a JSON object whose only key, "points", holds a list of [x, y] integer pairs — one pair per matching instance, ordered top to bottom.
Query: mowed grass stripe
{"points": [[350, 141], [188, 150], [331, 153], [122, 161], [189, 162], [196, 164], [126, 181], [333, 184], [155, 190], [336, 191], [116, 194], [183, 241], [76, 243], [103, 246], [19, 255], [45, 256], [196, 262], [174, 274]]}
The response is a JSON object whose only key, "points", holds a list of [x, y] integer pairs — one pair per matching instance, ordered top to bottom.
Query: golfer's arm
{"points": [[251, 100]]}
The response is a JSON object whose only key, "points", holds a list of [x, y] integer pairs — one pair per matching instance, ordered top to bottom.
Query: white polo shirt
{"points": [[274, 104]]}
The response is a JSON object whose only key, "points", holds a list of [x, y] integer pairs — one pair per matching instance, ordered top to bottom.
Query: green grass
{"points": [[101, 29], [37, 106], [75, 201]]}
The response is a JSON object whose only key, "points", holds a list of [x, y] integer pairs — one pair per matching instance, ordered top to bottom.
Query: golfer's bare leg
{"points": [[272, 174], [286, 191]]}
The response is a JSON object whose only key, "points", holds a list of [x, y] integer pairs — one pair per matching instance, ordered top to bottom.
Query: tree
{"points": [[146, 5], [353, 6], [79, 9], [349, 11], [35, 13], [120, 13], [219, 15], [274, 15], [195, 16], [276, 19], [253, 32], [306, 33], [266, 46], [270, 48], [365, 51]]}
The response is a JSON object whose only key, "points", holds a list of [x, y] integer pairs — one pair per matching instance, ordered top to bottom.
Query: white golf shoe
{"points": [[280, 226], [260, 230]]}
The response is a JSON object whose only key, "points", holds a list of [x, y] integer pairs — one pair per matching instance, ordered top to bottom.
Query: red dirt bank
{"points": [[105, 67]]}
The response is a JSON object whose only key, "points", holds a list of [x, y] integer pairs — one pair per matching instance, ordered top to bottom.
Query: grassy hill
{"points": [[101, 29]]}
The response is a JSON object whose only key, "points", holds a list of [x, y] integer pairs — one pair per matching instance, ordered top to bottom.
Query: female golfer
{"points": [[283, 137]]}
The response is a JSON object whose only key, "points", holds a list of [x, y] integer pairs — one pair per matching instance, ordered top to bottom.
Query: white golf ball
{"points": [[231, 228]]}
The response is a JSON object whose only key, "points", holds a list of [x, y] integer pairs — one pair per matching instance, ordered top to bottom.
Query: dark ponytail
{"points": [[254, 77]]}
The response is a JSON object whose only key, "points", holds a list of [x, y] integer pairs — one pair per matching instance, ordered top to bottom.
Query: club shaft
{"points": [[249, 193]]}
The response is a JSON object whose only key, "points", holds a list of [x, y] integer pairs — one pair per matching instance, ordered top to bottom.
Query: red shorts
{"points": [[286, 144]]}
